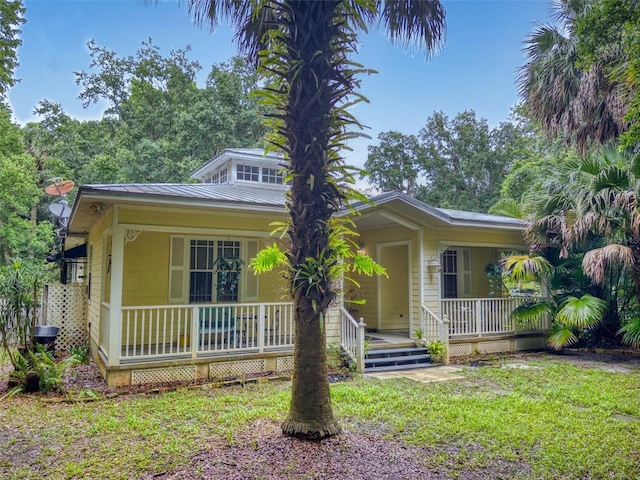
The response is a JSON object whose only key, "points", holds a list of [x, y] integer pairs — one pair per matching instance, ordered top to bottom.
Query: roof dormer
{"points": [[242, 166]]}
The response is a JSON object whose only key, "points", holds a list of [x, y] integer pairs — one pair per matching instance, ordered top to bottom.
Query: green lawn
{"points": [[561, 421]]}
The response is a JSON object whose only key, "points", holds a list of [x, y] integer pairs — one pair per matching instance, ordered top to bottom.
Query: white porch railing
{"points": [[476, 317], [435, 329], [183, 331], [352, 339]]}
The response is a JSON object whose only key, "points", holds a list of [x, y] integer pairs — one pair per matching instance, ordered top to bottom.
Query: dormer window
{"points": [[248, 173], [272, 175], [220, 176]]}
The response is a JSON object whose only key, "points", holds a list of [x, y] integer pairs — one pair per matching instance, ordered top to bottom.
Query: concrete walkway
{"points": [[422, 375]]}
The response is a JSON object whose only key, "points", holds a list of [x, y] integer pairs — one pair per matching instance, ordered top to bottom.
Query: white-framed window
{"points": [[248, 173], [272, 175], [223, 176], [456, 273], [200, 274]]}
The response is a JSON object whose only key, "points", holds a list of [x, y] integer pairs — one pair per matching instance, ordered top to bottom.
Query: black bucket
{"points": [[46, 335]]}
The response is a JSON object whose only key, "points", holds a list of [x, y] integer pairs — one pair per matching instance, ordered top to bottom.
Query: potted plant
{"points": [[418, 335], [437, 350]]}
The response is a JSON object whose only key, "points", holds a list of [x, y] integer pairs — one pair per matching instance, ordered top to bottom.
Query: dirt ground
{"points": [[261, 452]]}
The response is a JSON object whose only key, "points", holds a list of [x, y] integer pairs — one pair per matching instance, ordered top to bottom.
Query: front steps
{"points": [[390, 359]]}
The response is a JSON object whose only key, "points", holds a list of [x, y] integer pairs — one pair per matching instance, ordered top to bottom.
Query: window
{"points": [[248, 173], [271, 175], [223, 176], [211, 260], [201, 271], [456, 273], [450, 274]]}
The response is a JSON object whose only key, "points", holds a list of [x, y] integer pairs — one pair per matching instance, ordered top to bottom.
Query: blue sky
{"points": [[475, 70]]}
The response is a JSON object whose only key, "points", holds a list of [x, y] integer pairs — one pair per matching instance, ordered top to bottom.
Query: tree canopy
{"points": [[11, 17], [455, 163]]}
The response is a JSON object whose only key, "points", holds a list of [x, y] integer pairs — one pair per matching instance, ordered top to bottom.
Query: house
{"points": [[169, 294]]}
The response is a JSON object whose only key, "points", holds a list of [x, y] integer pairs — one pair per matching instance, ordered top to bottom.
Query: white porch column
{"points": [[115, 313]]}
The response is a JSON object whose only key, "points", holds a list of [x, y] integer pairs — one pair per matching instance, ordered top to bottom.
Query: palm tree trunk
{"points": [[313, 200]]}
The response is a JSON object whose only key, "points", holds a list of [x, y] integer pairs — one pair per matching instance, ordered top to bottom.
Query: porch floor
{"points": [[388, 339]]}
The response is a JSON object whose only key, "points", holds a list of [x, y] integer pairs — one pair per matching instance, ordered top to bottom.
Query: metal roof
{"points": [[236, 194], [444, 216]]}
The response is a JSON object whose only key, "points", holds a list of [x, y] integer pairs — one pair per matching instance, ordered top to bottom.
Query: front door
{"points": [[394, 292]]}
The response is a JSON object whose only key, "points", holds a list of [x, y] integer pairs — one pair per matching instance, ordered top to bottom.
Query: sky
{"points": [[475, 70]]}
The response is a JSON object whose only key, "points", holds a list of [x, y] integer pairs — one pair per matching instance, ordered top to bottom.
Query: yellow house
{"points": [[170, 295]]}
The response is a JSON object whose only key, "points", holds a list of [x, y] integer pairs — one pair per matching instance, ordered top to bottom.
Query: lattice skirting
{"points": [[66, 308], [494, 346], [460, 349], [284, 364], [232, 369], [160, 375]]}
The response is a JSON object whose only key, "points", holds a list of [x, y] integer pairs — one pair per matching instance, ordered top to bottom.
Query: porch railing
{"points": [[477, 317], [435, 328], [183, 331], [352, 338]]}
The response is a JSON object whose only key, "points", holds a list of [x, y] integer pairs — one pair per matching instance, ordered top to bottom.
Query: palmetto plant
{"points": [[305, 50], [589, 210]]}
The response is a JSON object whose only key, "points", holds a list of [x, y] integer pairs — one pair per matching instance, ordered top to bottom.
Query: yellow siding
{"points": [[198, 219], [95, 246], [146, 270], [146, 273]]}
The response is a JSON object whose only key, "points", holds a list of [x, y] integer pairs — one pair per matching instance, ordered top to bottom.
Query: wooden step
{"points": [[396, 352], [399, 360], [392, 368]]}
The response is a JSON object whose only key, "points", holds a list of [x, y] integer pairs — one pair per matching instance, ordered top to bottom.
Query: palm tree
{"points": [[305, 47], [584, 105]]}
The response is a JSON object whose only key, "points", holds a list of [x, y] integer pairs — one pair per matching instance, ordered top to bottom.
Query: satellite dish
{"points": [[61, 187], [60, 210]]}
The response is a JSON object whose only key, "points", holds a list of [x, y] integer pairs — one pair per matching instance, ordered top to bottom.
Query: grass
{"points": [[561, 421]]}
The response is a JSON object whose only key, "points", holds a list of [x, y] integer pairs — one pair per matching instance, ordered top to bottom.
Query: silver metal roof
{"points": [[235, 194], [445, 216]]}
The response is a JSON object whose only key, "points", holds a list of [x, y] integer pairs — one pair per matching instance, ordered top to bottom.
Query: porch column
{"points": [[115, 313]]}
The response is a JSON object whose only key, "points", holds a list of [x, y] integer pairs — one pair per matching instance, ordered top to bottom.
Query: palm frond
{"points": [[414, 24], [507, 208], [596, 261], [525, 267], [533, 311], [583, 312], [631, 332], [561, 336]]}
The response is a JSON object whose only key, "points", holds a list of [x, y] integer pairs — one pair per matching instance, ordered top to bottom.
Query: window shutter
{"points": [[177, 271], [465, 272], [251, 290]]}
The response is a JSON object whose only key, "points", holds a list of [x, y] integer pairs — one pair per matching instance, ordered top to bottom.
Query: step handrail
{"points": [[437, 329], [353, 334]]}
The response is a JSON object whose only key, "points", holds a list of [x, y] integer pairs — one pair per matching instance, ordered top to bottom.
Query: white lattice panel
{"points": [[66, 308], [530, 343], [494, 347], [459, 349], [284, 364], [231, 369], [161, 375]]}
